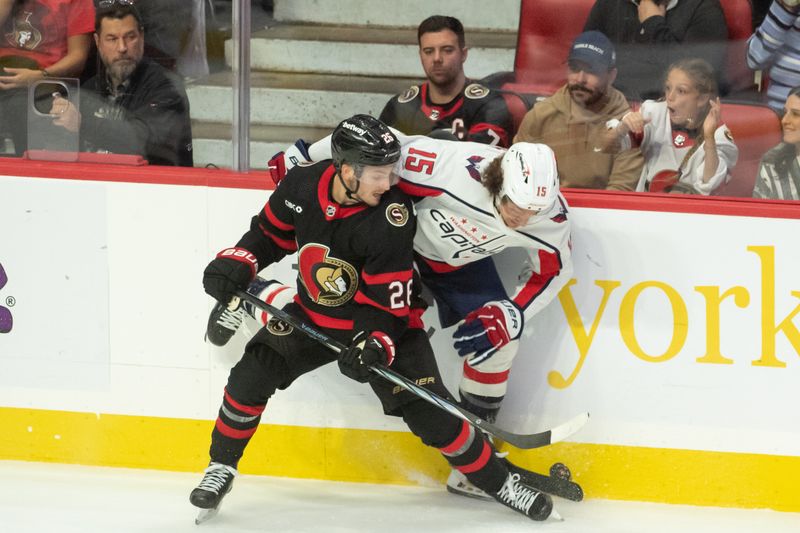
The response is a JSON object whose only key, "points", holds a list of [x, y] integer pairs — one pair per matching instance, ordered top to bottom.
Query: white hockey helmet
{"points": [[530, 176]]}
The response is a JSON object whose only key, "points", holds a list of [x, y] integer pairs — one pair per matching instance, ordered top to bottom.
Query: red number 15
{"points": [[423, 162]]}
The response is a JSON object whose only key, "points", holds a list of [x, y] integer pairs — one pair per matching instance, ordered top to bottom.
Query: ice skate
{"points": [[223, 322], [216, 483], [457, 483], [524, 499]]}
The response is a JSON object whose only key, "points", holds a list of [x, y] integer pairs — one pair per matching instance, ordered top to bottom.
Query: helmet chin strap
{"points": [[348, 192]]}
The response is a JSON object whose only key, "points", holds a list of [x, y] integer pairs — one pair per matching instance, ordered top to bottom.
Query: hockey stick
{"points": [[534, 440]]}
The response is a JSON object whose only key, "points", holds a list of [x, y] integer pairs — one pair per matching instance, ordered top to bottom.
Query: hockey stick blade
{"points": [[533, 440]]}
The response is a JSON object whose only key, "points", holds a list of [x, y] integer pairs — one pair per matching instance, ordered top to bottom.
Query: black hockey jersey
{"points": [[477, 114], [354, 262]]}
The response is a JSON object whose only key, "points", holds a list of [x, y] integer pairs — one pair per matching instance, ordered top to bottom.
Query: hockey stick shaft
{"points": [[534, 440]]}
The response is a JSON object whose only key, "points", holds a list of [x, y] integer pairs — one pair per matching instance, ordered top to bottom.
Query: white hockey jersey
{"points": [[665, 149], [458, 223]]}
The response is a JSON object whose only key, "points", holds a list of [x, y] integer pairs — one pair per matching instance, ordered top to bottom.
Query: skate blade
{"points": [[476, 494], [205, 515], [555, 516]]}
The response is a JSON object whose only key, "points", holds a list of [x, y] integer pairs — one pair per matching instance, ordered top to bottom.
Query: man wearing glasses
{"points": [[132, 105]]}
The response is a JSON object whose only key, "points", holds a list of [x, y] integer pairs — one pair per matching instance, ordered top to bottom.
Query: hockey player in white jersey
{"points": [[474, 201]]}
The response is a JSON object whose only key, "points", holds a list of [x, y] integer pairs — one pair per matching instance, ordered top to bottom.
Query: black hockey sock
{"points": [[485, 407], [235, 425], [471, 454]]}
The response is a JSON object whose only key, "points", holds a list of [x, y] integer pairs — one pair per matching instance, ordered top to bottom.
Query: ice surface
{"points": [[54, 498]]}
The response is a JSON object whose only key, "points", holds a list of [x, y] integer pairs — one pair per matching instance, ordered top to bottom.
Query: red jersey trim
{"points": [[428, 109], [485, 126], [414, 189], [331, 209], [283, 226], [282, 243], [550, 267], [386, 277], [362, 298], [325, 321], [487, 378], [459, 441], [479, 463]]}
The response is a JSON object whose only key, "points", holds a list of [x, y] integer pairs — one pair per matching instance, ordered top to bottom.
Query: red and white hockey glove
{"points": [[283, 162], [233, 269], [486, 330], [365, 351]]}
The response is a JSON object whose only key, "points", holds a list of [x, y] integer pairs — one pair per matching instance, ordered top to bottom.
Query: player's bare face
{"points": [[120, 45], [442, 58], [585, 87], [684, 100], [791, 120], [513, 215]]}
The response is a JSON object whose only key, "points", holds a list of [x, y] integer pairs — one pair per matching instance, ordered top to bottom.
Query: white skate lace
{"points": [[230, 319], [215, 478], [517, 496]]}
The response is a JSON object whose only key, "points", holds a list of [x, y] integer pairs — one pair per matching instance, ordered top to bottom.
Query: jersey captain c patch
{"points": [[397, 214], [327, 280]]}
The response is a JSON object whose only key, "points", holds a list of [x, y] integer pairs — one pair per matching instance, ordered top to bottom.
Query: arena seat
{"points": [[738, 17], [546, 30], [755, 128]]}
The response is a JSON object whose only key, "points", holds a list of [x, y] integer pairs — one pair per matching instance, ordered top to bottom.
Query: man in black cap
{"points": [[574, 120]]}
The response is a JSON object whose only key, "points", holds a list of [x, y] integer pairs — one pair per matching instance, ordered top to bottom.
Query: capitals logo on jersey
{"points": [[328, 281]]}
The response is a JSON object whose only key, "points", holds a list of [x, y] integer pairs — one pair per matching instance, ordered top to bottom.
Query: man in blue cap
{"points": [[574, 121]]}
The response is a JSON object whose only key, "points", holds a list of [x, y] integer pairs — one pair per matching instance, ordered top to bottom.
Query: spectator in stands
{"points": [[650, 35], [40, 39], [775, 46], [448, 99], [133, 105], [573, 122], [686, 148], [779, 172]]}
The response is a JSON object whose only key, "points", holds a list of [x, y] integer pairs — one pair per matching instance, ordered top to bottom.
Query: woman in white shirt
{"points": [[685, 147]]}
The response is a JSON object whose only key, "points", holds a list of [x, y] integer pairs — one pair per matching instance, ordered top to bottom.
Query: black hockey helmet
{"points": [[364, 140]]}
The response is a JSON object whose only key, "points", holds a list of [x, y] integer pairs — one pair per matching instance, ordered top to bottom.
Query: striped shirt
{"points": [[775, 45], [777, 185]]}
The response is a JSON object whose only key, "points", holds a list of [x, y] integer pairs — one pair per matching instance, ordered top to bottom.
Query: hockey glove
{"points": [[283, 162], [233, 269], [486, 330], [364, 351]]}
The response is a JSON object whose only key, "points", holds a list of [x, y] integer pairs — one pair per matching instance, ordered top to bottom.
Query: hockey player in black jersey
{"points": [[448, 99], [353, 235]]}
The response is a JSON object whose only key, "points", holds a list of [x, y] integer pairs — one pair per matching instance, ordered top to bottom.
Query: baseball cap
{"points": [[594, 49]]}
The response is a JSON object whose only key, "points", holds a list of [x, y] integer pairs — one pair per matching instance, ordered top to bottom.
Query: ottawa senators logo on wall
{"points": [[327, 280]]}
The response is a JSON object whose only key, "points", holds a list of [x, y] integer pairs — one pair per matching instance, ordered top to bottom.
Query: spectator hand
{"points": [[651, 8], [19, 77], [65, 114], [633, 121], [711, 123], [282, 162], [233, 269], [486, 330], [364, 351]]}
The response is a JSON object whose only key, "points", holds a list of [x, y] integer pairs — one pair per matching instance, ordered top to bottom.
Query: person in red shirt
{"points": [[40, 39]]}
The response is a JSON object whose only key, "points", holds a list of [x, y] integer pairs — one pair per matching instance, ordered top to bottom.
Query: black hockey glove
{"points": [[233, 269], [377, 348]]}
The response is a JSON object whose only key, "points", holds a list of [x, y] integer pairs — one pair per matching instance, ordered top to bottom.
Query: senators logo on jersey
{"points": [[327, 280], [279, 327]]}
